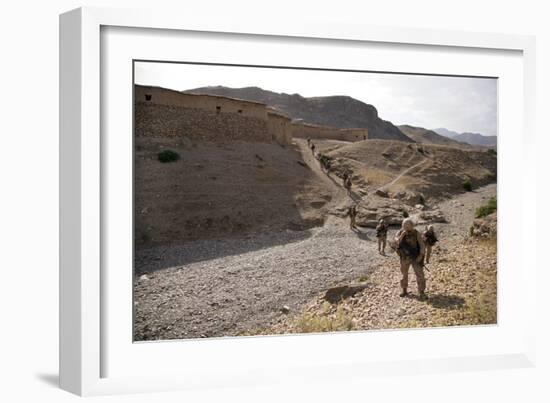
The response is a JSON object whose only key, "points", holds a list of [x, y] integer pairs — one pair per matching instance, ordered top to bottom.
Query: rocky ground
{"points": [[261, 283], [461, 291]]}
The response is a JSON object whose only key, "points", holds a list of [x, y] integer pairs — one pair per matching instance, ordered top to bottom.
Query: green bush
{"points": [[491, 151], [168, 156], [467, 185], [487, 209]]}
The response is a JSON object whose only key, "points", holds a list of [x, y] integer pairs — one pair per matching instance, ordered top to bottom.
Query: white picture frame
{"points": [[84, 306]]}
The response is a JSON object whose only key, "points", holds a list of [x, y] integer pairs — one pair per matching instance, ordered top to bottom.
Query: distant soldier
{"points": [[309, 142], [312, 147], [325, 163], [328, 165], [347, 183], [352, 212], [382, 234], [430, 240], [410, 248]]}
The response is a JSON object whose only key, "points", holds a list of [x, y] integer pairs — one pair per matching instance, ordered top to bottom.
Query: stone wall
{"points": [[164, 96], [164, 112], [155, 120], [279, 126], [304, 130]]}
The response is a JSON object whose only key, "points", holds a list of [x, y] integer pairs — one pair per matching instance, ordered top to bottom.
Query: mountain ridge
{"points": [[427, 136], [476, 139]]}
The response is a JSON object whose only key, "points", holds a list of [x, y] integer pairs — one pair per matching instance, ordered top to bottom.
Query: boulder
{"points": [[381, 193], [410, 198], [429, 217], [336, 294]]}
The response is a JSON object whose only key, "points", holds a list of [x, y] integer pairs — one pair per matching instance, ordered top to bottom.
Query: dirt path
{"points": [[405, 172], [339, 193]]}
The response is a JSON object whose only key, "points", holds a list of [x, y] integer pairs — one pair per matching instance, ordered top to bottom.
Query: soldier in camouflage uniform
{"points": [[352, 212], [381, 234], [429, 240], [410, 247]]}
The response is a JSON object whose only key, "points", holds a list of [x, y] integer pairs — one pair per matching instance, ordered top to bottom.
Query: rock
{"points": [[381, 193], [410, 198], [426, 217], [484, 227], [143, 277], [336, 294], [285, 309]]}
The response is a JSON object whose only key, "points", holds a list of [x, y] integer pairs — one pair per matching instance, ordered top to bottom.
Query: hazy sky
{"points": [[456, 103]]}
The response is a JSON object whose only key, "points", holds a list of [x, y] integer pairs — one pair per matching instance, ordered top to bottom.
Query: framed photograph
{"points": [[244, 204]]}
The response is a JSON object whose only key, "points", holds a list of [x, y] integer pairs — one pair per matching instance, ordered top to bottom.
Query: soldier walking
{"points": [[347, 183], [352, 212], [382, 234], [430, 240], [410, 248]]}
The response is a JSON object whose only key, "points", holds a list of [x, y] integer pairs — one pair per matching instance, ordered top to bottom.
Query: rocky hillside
{"points": [[334, 111], [421, 135], [477, 139], [436, 171]]}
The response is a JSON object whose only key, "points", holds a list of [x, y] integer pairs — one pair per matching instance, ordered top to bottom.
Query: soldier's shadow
{"points": [[441, 301]]}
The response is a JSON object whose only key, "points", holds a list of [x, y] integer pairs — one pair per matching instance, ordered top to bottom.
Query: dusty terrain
{"points": [[436, 171], [219, 190], [461, 278], [243, 279]]}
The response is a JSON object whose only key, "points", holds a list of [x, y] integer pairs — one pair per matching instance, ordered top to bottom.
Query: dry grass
{"points": [[327, 320]]}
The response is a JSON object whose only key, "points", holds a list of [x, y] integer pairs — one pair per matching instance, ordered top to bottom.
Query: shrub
{"points": [[491, 151], [168, 156], [467, 185], [422, 199], [487, 209], [405, 214], [325, 321]]}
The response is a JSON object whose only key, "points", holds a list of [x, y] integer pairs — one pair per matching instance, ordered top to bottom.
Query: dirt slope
{"points": [[220, 190]]}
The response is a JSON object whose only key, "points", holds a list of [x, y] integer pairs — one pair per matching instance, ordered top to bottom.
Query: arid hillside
{"points": [[335, 111], [425, 136], [435, 171], [217, 190]]}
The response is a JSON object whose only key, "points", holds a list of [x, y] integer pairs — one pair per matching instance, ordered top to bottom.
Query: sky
{"points": [[456, 103]]}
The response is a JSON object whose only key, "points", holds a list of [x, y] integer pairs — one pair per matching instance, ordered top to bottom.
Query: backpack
{"points": [[430, 238], [410, 250]]}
